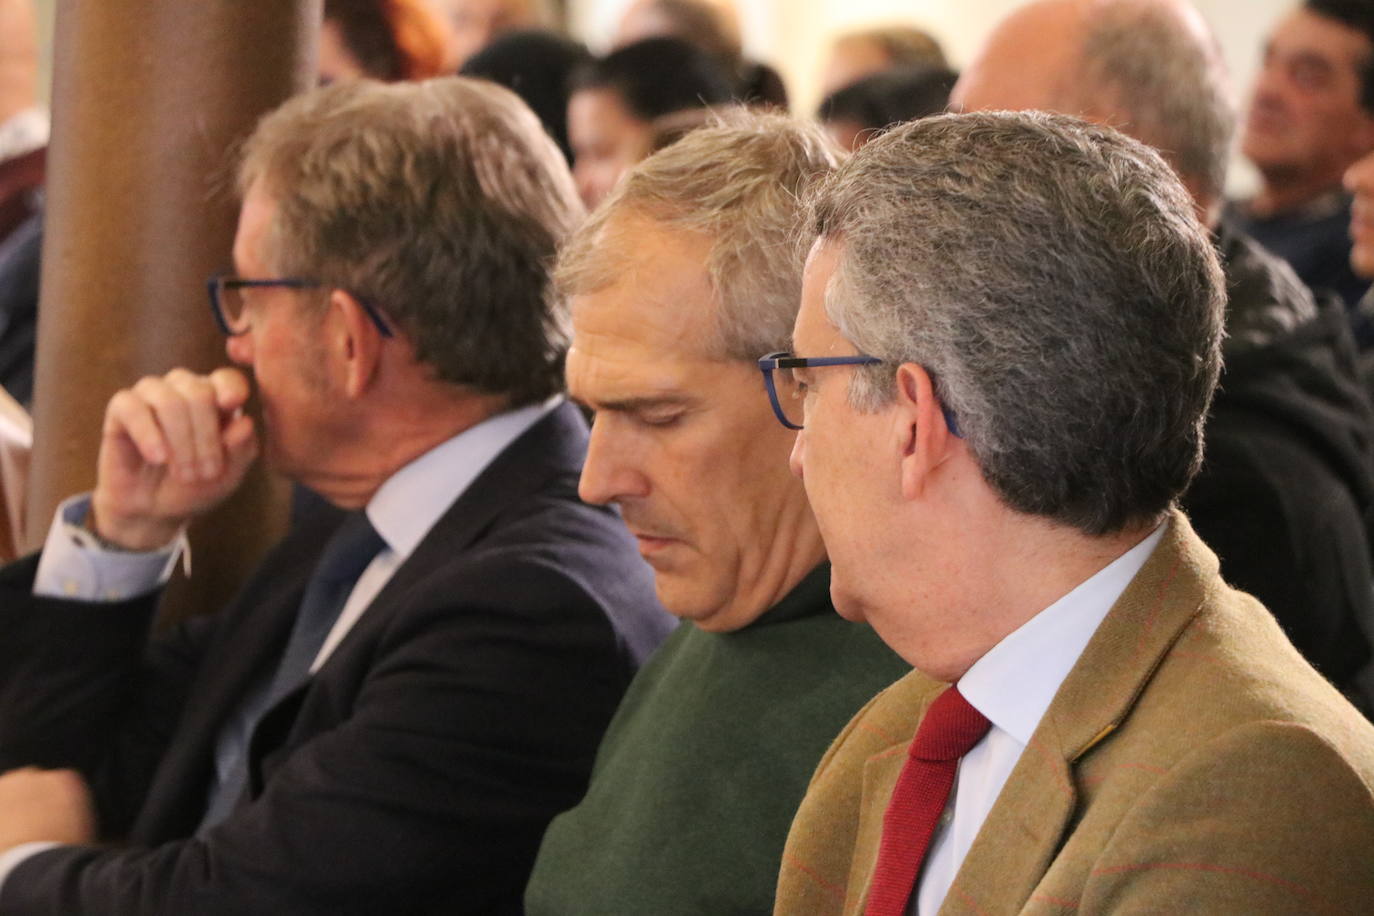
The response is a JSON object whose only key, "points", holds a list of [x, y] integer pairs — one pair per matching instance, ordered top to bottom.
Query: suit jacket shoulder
{"points": [[1184, 758]]}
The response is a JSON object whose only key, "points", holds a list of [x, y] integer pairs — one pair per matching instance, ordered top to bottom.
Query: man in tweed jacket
{"points": [[996, 493]]}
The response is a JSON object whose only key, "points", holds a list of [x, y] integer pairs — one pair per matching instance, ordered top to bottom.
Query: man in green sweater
{"points": [[688, 273]]}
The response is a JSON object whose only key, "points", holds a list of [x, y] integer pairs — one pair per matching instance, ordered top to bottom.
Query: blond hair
{"points": [[736, 182]]}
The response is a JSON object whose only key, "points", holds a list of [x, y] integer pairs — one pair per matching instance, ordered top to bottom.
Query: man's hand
{"points": [[172, 448], [44, 805]]}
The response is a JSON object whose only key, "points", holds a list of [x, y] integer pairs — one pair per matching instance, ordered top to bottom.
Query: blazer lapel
{"points": [[553, 446], [250, 635], [1026, 827]]}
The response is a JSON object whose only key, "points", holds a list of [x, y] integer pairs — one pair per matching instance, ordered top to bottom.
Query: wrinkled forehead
{"points": [[647, 286], [649, 326]]}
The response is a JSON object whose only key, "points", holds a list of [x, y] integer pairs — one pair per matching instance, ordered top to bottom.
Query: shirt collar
{"points": [[411, 500], [1014, 683]]}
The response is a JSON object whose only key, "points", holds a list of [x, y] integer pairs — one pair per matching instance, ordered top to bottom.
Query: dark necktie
{"points": [[349, 551], [951, 727]]}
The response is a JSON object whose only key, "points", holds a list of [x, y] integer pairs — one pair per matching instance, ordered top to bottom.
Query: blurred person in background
{"points": [[476, 22], [713, 26], [387, 40], [854, 55], [537, 65], [616, 99], [858, 112], [23, 121], [1306, 125], [23, 159], [1359, 183]]}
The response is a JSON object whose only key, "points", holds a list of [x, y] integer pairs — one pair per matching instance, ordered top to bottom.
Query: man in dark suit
{"points": [[389, 713]]}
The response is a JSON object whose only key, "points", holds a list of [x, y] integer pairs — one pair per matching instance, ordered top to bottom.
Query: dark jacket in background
{"points": [[1314, 240], [21, 255], [1287, 483]]}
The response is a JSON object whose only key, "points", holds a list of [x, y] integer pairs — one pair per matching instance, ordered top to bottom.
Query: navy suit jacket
{"points": [[418, 768]]}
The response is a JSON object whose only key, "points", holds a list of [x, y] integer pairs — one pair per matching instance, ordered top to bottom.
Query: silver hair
{"points": [[1140, 62], [737, 182], [1053, 278]]}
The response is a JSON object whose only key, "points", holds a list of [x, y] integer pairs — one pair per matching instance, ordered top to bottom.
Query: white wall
{"points": [[792, 34]]}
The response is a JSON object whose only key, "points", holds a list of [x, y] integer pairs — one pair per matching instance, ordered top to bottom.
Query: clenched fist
{"points": [[172, 447]]}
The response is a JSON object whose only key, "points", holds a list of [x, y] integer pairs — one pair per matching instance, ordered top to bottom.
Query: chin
{"points": [[680, 599], [846, 605], [708, 609]]}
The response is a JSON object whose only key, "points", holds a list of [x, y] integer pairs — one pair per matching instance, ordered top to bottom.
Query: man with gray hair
{"points": [[676, 283], [1009, 337], [1288, 481], [388, 714]]}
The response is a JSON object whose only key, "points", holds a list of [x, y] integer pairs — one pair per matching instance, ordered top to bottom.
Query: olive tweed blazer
{"points": [[1191, 762]]}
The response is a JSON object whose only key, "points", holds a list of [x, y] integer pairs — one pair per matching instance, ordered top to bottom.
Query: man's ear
{"points": [[354, 341], [922, 434]]}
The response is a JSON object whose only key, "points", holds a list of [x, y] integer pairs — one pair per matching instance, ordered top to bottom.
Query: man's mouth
{"points": [[652, 543]]}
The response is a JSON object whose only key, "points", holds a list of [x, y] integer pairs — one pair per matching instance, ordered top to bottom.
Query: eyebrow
{"points": [[1312, 58], [633, 405]]}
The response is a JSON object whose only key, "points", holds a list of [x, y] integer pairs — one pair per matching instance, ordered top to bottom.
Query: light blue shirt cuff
{"points": [[75, 565], [18, 855]]}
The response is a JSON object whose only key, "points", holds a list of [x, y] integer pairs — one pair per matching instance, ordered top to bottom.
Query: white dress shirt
{"points": [[403, 510], [1012, 685]]}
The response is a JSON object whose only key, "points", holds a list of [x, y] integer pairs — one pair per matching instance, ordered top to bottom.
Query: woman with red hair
{"points": [[387, 40]]}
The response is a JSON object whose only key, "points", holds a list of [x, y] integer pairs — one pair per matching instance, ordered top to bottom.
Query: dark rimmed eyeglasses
{"points": [[231, 312], [787, 394]]}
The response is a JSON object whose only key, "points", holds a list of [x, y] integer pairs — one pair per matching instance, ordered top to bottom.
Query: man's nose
{"points": [[1268, 90], [1359, 178], [239, 348], [794, 459], [610, 472]]}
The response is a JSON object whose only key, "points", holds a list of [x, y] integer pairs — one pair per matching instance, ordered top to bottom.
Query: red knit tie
{"points": [[950, 728]]}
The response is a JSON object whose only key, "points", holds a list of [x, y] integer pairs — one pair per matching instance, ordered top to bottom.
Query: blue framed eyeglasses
{"points": [[231, 312], [787, 394]]}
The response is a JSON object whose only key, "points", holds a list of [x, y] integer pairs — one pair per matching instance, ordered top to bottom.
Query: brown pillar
{"points": [[149, 99]]}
